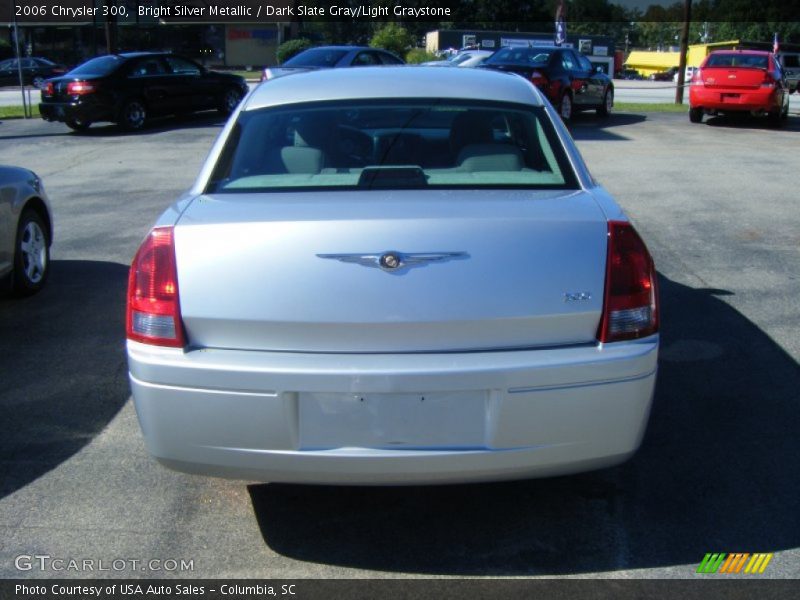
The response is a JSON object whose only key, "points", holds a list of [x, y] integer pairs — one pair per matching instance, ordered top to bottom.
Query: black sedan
{"points": [[333, 57], [35, 70], [566, 77], [129, 88]]}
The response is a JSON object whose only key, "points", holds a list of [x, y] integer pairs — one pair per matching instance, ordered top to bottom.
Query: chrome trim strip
{"points": [[546, 388]]}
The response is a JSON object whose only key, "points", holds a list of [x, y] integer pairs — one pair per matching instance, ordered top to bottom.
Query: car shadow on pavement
{"points": [[747, 121], [158, 125], [590, 127], [15, 136], [63, 375], [717, 472]]}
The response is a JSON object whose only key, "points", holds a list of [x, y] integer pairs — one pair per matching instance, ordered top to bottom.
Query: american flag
{"points": [[561, 23], [775, 45]]}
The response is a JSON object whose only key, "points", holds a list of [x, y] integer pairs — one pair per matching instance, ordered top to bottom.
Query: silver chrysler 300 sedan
{"points": [[393, 276]]}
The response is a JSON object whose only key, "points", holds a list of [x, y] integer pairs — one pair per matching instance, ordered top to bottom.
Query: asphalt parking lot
{"points": [[718, 470]]}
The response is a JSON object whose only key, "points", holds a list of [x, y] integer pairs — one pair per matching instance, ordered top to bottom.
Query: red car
{"points": [[739, 81]]}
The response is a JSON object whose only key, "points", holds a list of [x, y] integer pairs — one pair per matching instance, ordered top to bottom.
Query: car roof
{"points": [[341, 48], [138, 54], [393, 82]]}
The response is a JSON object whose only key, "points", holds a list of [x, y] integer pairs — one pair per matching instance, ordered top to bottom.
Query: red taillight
{"points": [[697, 78], [769, 80], [79, 88], [49, 89], [630, 305], [154, 314]]}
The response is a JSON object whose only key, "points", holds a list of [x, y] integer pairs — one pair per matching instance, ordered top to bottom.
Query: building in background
{"points": [[227, 44], [649, 62]]}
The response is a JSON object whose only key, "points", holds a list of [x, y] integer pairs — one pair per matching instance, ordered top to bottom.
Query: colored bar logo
{"points": [[740, 562]]}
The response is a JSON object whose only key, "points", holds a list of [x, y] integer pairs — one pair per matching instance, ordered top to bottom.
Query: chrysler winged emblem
{"points": [[394, 261]]}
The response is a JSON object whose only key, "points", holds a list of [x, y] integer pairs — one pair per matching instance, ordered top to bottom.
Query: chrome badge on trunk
{"points": [[394, 261]]}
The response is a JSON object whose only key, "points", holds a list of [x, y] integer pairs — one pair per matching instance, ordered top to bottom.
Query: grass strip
{"points": [[648, 107], [16, 112]]}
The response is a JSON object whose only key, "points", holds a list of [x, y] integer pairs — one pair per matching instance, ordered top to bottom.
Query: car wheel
{"points": [[229, 101], [608, 103], [565, 107], [132, 115], [696, 115], [78, 124], [31, 254]]}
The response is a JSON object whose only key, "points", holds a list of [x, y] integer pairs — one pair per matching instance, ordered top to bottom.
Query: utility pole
{"points": [[687, 17], [111, 28], [18, 54]]}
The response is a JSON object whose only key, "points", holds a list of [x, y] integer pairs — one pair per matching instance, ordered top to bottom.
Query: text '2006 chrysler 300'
{"points": [[393, 276]]}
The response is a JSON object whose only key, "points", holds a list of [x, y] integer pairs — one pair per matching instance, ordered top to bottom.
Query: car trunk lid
{"points": [[275, 72], [733, 78], [251, 275]]}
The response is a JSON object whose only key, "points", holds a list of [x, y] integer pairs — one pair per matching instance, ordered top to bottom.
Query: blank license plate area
{"points": [[730, 97], [392, 421]]}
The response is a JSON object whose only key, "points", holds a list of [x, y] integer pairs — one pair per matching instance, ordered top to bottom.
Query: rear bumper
{"points": [[765, 99], [66, 111], [248, 415]]}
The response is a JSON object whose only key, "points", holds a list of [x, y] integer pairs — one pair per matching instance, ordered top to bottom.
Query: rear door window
{"points": [[366, 59], [388, 59], [585, 63], [181, 66], [148, 67]]}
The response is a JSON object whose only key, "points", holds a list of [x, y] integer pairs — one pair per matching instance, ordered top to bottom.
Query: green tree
{"points": [[393, 37], [288, 49], [419, 55]]}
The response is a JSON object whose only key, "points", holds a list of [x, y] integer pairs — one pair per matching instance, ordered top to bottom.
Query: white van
{"points": [[687, 77]]}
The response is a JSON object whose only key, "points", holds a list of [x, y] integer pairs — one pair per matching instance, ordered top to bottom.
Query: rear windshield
{"points": [[521, 56], [316, 57], [459, 58], [750, 61], [97, 67], [393, 145]]}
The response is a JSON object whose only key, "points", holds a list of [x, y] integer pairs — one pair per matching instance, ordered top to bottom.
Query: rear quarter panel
{"points": [[16, 189]]}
